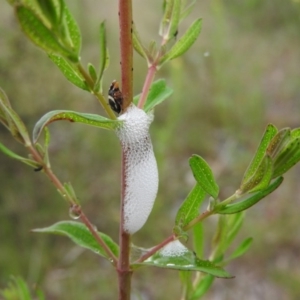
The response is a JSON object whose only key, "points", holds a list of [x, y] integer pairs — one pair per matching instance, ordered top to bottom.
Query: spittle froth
{"points": [[141, 175]]}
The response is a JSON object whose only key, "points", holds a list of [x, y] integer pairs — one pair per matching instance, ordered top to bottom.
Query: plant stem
{"points": [[125, 23], [147, 84], [99, 96], [73, 202], [200, 218], [94, 232], [156, 248], [124, 272]]}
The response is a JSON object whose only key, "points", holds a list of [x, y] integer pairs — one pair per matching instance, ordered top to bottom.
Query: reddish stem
{"points": [[125, 20], [147, 84], [75, 207], [156, 248], [124, 272]]}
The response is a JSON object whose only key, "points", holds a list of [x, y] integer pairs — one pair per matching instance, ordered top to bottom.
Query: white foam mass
{"points": [[141, 175], [174, 248]]}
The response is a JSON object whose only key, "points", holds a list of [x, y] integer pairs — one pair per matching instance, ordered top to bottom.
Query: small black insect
{"points": [[115, 97], [40, 168]]}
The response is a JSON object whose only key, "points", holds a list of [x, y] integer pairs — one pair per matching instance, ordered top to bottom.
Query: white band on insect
{"points": [[141, 174]]}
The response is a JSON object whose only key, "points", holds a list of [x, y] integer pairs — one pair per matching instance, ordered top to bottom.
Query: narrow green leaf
{"points": [[52, 9], [187, 10], [175, 19], [164, 26], [73, 31], [39, 34], [184, 43], [138, 45], [103, 49], [69, 71], [92, 72], [159, 91], [4, 99], [4, 102], [72, 116], [14, 124], [269, 133], [295, 133], [281, 138], [13, 155], [287, 158], [204, 175], [261, 178], [70, 190], [248, 202], [189, 209], [235, 223], [81, 236], [198, 239], [241, 249], [176, 257], [202, 287], [17, 289]]}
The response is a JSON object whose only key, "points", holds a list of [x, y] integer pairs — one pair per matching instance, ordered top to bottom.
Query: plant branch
{"points": [[126, 48], [147, 84], [98, 95], [73, 202], [200, 218], [98, 238], [156, 248], [124, 272]]}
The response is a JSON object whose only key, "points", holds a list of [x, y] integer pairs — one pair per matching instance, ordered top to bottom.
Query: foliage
{"points": [[51, 27]]}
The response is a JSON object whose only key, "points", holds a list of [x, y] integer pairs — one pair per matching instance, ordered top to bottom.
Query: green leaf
{"points": [[52, 9], [187, 10], [175, 19], [164, 26], [73, 32], [39, 34], [184, 43], [138, 45], [103, 49], [104, 56], [69, 71], [92, 72], [159, 91], [4, 102], [72, 116], [13, 122], [269, 133], [295, 133], [281, 138], [13, 155], [287, 158], [204, 175], [261, 178], [70, 190], [248, 202], [189, 209], [235, 223], [228, 228], [81, 236], [198, 239], [241, 249], [184, 260], [202, 287], [17, 289]]}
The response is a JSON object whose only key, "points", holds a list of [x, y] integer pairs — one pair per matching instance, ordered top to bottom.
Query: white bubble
{"points": [[141, 181]]}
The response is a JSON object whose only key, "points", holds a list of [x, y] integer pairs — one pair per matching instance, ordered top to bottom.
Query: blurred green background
{"points": [[241, 74]]}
